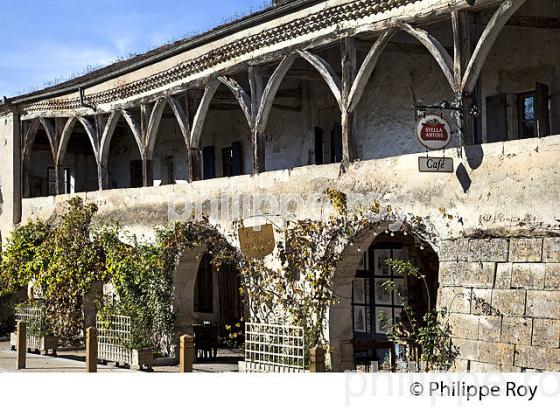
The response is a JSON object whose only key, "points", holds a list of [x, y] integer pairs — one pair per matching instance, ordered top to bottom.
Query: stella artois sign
{"points": [[433, 132]]}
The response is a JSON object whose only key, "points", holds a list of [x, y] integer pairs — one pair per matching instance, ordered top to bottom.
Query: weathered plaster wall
{"points": [[10, 186], [512, 189], [512, 193]]}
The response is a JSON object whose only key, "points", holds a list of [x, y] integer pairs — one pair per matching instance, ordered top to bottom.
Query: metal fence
{"points": [[114, 339], [274, 348]]}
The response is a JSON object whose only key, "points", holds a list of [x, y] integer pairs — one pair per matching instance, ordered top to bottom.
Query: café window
{"points": [[373, 307]]}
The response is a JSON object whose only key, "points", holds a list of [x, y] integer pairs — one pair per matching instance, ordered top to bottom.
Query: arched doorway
{"points": [[207, 298], [357, 324]]}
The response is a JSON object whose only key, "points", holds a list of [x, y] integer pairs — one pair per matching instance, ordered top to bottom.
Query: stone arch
{"points": [[188, 270], [184, 285], [340, 325]]}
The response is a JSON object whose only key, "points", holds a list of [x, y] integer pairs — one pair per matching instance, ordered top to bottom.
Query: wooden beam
{"points": [[486, 42], [463, 47], [436, 49], [367, 68], [327, 72], [271, 91], [242, 97], [202, 112], [348, 123], [153, 126], [135, 127], [107, 136], [258, 141]]}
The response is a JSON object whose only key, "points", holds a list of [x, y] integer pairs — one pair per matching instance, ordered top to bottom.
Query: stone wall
{"points": [[503, 296]]}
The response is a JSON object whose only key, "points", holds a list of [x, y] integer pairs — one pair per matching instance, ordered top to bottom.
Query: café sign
{"points": [[433, 132], [427, 164]]}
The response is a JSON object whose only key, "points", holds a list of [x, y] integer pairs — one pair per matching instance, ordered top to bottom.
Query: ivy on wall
{"points": [[69, 255]]}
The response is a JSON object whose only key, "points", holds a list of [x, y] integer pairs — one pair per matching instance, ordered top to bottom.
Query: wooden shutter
{"points": [[541, 110], [496, 118], [336, 143], [319, 146], [237, 159], [208, 163], [136, 174]]}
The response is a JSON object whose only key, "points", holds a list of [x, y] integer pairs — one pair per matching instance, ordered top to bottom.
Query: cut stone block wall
{"points": [[503, 299]]}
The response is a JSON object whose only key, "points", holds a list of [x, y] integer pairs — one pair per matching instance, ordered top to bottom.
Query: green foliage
{"points": [[18, 261], [431, 332]]}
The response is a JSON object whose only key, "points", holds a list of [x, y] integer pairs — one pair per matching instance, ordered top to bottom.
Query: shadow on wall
{"points": [[475, 156]]}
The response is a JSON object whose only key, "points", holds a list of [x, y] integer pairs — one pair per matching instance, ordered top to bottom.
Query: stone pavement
{"points": [[74, 361]]}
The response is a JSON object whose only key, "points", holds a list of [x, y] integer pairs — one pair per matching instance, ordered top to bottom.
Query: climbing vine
{"points": [[69, 255]]}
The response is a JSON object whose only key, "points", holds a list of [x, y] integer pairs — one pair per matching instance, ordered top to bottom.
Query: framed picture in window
{"points": [[380, 257], [364, 262], [401, 289], [359, 291], [382, 297], [360, 319], [383, 319]]}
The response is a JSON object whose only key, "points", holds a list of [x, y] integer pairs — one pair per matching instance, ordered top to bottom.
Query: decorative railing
{"points": [[37, 337], [114, 339], [114, 343], [274, 348]]}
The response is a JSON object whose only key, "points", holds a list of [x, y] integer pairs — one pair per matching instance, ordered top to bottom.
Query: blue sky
{"points": [[49, 40]]}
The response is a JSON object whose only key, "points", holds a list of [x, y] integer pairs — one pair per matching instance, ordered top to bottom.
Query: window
{"points": [[527, 116], [51, 181], [204, 289], [371, 304]]}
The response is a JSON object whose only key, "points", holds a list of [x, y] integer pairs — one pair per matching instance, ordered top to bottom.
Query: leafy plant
{"points": [[429, 333]]}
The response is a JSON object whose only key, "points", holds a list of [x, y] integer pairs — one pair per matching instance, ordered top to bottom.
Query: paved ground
{"points": [[74, 361]]}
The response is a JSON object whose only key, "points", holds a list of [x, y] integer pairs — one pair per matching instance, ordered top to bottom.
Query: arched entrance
{"points": [[207, 298], [357, 333]]}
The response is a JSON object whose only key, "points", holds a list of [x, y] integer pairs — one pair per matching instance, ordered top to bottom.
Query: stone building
{"points": [[317, 94]]}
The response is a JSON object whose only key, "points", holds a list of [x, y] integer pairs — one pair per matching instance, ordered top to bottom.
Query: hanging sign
{"points": [[433, 132], [427, 164], [257, 242]]}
